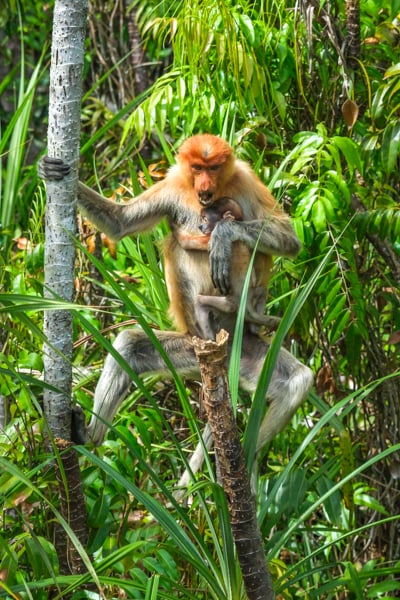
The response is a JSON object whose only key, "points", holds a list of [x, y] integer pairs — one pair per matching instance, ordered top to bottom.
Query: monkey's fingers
{"points": [[53, 168], [220, 256], [220, 271]]}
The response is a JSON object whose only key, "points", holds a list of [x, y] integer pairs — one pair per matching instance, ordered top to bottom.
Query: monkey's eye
{"points": [[214, 167], [197, 168]]}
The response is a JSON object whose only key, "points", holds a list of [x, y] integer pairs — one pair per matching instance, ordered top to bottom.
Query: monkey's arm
{"points": [[115, 219], [118, 219], [274, 236], [188, 241]]}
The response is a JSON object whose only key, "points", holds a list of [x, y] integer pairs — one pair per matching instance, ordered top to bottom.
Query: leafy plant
{"points": [[12, 147], [327, 503]]}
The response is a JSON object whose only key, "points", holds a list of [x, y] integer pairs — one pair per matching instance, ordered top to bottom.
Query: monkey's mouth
{"points": [[206, 198]]}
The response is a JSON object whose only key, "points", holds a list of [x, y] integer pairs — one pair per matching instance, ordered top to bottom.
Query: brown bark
{"points": [[353, 44], [140, 78], [211, 357], [72, 508]]}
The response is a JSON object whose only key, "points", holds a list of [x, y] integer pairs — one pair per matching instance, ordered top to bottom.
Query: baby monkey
{"points": [[229, 209]]}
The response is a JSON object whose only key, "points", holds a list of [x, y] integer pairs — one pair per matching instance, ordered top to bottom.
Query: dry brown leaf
{"points": [[349, 112]]}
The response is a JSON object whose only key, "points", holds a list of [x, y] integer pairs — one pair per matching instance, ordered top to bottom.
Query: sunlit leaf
{"points": [[247, 27], [392, 71], [370, 142], [390, 146], [318, 215]]}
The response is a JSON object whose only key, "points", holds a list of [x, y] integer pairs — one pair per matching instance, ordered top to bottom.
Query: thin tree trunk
{"points": [[69, 28], [353, 44], [141, 80], [211, 357], [3, 412], [72, 508]]}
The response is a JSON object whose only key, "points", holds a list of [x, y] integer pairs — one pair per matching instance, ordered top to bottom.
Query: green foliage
{"points": [[229, 59], [271, 82], [12, 144]]}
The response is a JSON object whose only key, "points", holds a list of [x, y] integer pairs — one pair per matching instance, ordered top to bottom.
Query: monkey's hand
{"points": [[52, 168], [273, 236], [189, 241], [221, 254]]}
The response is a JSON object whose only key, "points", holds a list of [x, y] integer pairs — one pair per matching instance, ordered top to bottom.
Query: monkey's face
{"points": [[210, 162], [205, 181], [207, 224]]}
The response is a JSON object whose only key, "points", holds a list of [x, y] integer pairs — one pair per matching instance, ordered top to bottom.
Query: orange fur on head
{"points": [[205, 149]]}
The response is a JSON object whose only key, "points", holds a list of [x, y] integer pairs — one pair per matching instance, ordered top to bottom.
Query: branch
{"points": [[211, 357]]}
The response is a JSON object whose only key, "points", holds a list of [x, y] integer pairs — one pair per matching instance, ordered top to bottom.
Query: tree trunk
{"points": [[69, 28], [353, 44], [140, 77], [211, 357]]}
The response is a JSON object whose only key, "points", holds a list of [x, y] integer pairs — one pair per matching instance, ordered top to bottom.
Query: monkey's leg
{"points": [[226, 304], [204, 320], [270, 322], [140, 354], [290, 384], [195, 463]]}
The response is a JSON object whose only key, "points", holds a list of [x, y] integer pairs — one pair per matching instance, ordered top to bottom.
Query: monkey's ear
{"points": [[228, 215]]}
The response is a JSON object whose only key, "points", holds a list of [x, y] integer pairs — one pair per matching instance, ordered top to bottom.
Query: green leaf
{"points": [[247, 27], [392, 71], [280, 101], [139, 121], [370, 142], [390, 147], [350, 151], [340, 189], [308, 198], [319, 216], [334, 290], [334, 310], [339, 326], [292, 491], [363, 498], [332, 503], [99, 511], [42, 556], [152, 588], [380, 589]]}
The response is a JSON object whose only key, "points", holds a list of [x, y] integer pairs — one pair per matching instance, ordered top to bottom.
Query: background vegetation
{"points": [[318, 119]]}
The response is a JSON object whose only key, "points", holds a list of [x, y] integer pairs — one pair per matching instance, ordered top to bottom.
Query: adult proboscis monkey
{"points": [[205, 170]]}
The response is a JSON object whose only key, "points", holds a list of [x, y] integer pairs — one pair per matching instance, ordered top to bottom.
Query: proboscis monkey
{"points": [[205, 170]]}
